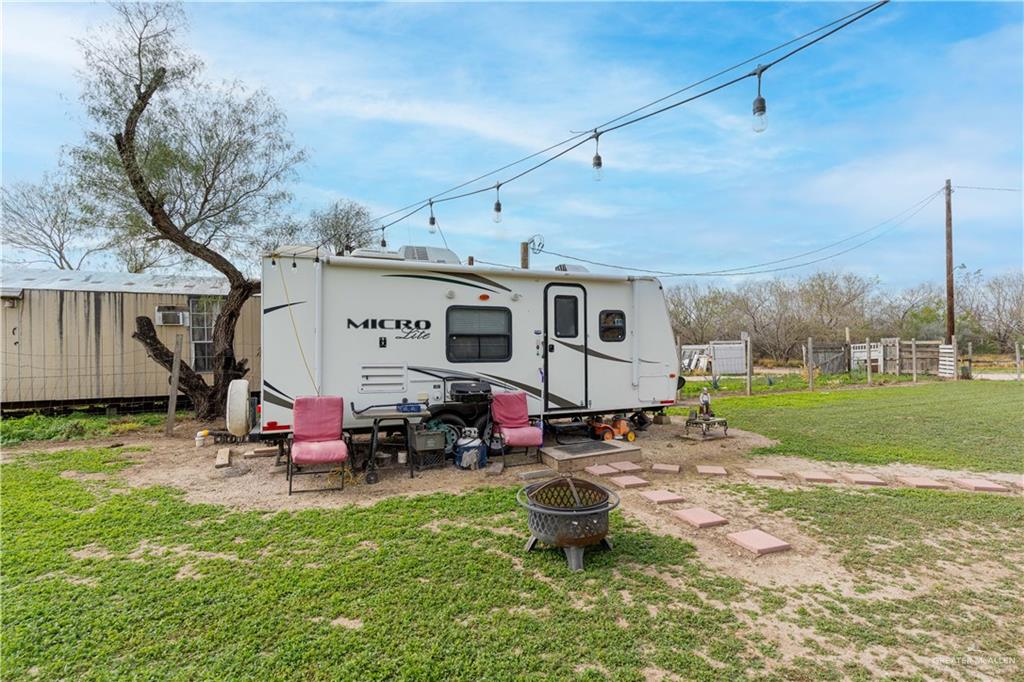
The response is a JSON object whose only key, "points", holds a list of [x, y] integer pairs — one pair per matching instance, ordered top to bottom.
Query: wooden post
{"points": [[524, 255], [470, 260], [950, 313], [847, 336], [1016, 349], [913, 358], [956, 359], [970, 359], [810, 363], [868, 363], [172, 397]]}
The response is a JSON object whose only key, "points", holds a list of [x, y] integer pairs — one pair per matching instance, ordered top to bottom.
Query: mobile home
{"points": [[382, 327], [68, 334]]}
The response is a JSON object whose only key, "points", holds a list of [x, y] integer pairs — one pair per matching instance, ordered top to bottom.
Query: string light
{"points": [[633, 117], [760, 121], [497, 202], [432, 223], [383, 241]]}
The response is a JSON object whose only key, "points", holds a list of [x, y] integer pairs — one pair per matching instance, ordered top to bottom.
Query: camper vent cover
{"points": [[429, 254], [171, 316], [382, 378]]}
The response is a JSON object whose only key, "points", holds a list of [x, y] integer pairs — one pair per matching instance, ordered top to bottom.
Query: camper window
{"points": [[566, 316], [612, 325], [479, 334]]}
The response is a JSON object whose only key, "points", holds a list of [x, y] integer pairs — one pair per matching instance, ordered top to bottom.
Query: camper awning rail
{"points": [[547, 275]]}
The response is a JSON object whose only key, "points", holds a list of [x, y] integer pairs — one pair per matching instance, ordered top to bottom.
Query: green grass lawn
{"points": [[794, 381], [971, 425], [74, 426], [102, 581]]}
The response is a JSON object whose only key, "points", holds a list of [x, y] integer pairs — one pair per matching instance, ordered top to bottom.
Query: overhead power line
{"points": [[617, 123], [988, 189], [762, 268]]}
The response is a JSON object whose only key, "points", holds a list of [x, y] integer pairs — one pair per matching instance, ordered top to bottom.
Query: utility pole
{"points": [[524, 255], [950, 315]]}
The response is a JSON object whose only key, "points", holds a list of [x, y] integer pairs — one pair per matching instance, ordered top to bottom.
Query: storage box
{"points": [[423, 440]]}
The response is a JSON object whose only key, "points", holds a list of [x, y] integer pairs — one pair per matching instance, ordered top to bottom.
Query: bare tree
{"points": [[205, 164], [46, 222], [344, 225], [698, 314], [1004, 318]]}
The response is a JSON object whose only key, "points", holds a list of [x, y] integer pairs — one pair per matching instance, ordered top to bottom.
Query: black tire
{"points": [[680, 382], [455, 422]]}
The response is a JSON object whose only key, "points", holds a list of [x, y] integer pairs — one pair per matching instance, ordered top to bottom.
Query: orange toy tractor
{"points": [[617, 428]]}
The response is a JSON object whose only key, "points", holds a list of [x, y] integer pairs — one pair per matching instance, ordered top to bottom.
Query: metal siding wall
{"points": [[77, 345]]}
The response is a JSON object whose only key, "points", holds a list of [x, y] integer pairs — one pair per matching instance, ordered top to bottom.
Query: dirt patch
{"points": [[79, 476], [92, 551], [187, 572], [349, 623]]}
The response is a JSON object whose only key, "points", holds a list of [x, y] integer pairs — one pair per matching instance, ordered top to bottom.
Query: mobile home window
{"points": [[202, 314], [566, 316], [612, 325], [479, 334]]}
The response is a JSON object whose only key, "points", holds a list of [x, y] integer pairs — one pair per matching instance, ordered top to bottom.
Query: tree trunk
{"points": [[190, 382]]}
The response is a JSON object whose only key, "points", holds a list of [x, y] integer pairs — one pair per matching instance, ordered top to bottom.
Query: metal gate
{"points": [[947, 361]]}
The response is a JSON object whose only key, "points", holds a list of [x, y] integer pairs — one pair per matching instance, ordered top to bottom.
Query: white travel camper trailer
{"points": [[385, 327]]}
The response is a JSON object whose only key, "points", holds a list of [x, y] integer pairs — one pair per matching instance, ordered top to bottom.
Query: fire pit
{"points": [[569, 513]]}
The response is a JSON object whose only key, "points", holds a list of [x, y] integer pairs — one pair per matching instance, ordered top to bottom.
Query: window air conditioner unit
{"points": [[170, 316]]}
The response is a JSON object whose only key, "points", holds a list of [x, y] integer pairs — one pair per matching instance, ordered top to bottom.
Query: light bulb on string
{"points": [[760, 107], [598, 164], [497, 203], [432, 223]]}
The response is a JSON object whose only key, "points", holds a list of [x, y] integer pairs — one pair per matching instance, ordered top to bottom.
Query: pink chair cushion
{"points": [[509, 410], [317, 418], [522, 436], [319, 452]]}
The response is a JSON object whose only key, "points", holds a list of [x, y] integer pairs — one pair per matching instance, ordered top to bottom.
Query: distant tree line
{"points": [[779, 314]]}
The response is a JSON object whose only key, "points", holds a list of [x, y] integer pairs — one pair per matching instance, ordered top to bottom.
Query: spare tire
{"points": [[237, 414]]}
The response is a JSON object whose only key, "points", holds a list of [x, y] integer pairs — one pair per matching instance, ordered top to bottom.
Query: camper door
{"points": [[565, 334]]}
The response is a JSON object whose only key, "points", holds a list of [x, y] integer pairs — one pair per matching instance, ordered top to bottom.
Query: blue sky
{"points": [[397, 102]]}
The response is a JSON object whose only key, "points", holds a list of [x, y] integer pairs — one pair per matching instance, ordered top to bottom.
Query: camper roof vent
{"points": [[373, 252], [430, 254], [567, 267]]}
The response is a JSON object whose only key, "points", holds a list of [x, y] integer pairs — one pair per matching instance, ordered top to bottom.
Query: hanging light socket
{"points": [[760, 107], [597, 163], [497, 203], [432, 223]]}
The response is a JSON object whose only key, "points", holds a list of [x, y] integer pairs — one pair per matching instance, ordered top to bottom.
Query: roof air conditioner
{"points": [[567, 267]]}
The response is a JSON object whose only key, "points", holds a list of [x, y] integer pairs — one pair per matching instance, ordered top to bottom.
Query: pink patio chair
{"points": [[512, 421], [318, 440]]}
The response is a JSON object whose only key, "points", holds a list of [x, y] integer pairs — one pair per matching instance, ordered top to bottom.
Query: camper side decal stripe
{"points": [[475, 278], [443, 279], [278, 307], [594, 353], [493, 380], [272, 387], [280, 402]]}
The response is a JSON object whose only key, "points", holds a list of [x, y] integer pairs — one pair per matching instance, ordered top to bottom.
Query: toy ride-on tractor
{"points": [[618, 428]]}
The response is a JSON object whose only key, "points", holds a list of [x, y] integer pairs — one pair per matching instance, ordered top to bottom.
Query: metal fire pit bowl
{"points": [[568, 513]]}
